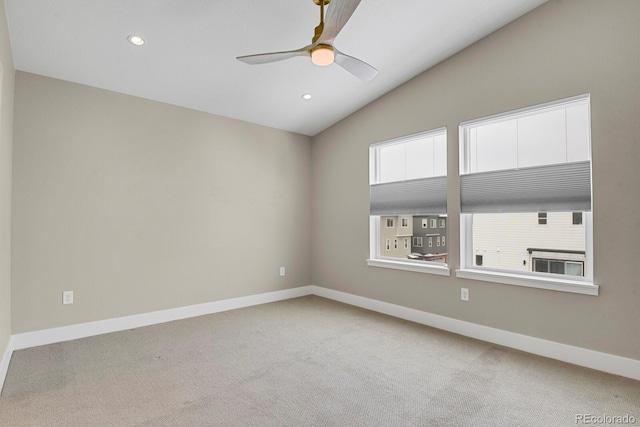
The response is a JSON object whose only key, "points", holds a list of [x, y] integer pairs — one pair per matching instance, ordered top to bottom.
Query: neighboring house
{"points": [[395, 236], [416, 237], [430, 238], [552, 242]]}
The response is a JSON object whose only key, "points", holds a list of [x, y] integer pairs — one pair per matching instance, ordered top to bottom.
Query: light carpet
{"points": [[301, 362]]}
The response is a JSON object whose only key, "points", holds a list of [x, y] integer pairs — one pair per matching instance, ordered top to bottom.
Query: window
{"points": [[520, 170], [407, 179], [542, 218], [576, 218], [389, 222], [405, 222], [443, 223], [438, 241], [430, 242], [444, 242], [395, 243], [406, 243], [557, 266]]}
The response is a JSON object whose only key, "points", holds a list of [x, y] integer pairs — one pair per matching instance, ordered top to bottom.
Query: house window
{"points": [[519, 170], [407, 178], [542, 218], [576, 218], [389, 222], [405, 222], [434, 223], [443, 223], [444, 240], [438, 241], [430, 242], [395, 243], [406, 243], [478, 260], [558, 266]]}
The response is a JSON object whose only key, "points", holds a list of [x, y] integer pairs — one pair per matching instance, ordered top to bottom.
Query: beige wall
{"points": [[561, 49], [6, 126], [139, 206]]}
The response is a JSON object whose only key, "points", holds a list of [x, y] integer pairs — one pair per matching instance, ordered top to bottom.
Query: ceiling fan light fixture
{"points": [[136, 40], [322, 55]]}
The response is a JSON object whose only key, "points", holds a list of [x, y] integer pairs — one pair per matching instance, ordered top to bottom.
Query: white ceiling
{"points": [[191, 46]]}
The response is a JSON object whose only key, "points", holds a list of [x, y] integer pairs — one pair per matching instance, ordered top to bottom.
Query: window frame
{"points": [[542, 218], [573, 218], [375, 258], [564, 262], [468, 269]]}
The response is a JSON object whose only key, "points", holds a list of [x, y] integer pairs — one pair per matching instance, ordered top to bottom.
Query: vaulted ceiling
{"points": [[190, 50]]}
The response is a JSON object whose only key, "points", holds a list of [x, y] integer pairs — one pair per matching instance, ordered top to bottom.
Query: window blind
{"points": [[559, 187], [413, 197]]}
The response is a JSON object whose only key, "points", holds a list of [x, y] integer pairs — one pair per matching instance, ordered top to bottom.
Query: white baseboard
{"points": [[83, 330], [579, 356], [4, 362], [605, 362]]}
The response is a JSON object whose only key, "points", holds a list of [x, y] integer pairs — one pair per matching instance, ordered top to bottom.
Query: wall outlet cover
{"points": [[67, 297]]}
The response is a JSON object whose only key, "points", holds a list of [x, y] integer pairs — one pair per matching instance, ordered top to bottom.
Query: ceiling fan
{"points": [[321, 50]]}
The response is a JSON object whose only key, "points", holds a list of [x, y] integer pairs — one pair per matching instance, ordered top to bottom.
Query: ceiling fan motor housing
{"points": [[322, 55]]}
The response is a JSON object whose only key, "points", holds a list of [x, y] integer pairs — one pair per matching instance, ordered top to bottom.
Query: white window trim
{"points": [[375, 259], [426, 266], [539, 280], [562, 285], [584, 285]]}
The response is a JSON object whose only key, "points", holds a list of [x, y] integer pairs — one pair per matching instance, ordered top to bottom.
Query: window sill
{"points": [[440, 269], [562, 285]]}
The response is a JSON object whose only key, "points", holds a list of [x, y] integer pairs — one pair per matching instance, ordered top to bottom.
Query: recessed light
{"points": [[137, 40], [306, 96]]}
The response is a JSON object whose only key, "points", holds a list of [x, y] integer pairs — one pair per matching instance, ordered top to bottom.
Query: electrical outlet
{"points": [[282, 271], [464, 294], [67, 297]]}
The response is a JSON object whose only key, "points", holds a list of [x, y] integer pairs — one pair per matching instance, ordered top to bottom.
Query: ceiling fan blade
{"points": [[337, 16], [264, 58], [358, 68]]}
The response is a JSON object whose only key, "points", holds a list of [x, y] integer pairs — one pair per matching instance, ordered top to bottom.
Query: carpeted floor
{"points": [[302, 362]]}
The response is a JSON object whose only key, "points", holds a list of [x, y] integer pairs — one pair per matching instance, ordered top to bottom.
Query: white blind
{"points": [[559, 187], [414, 197]]}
